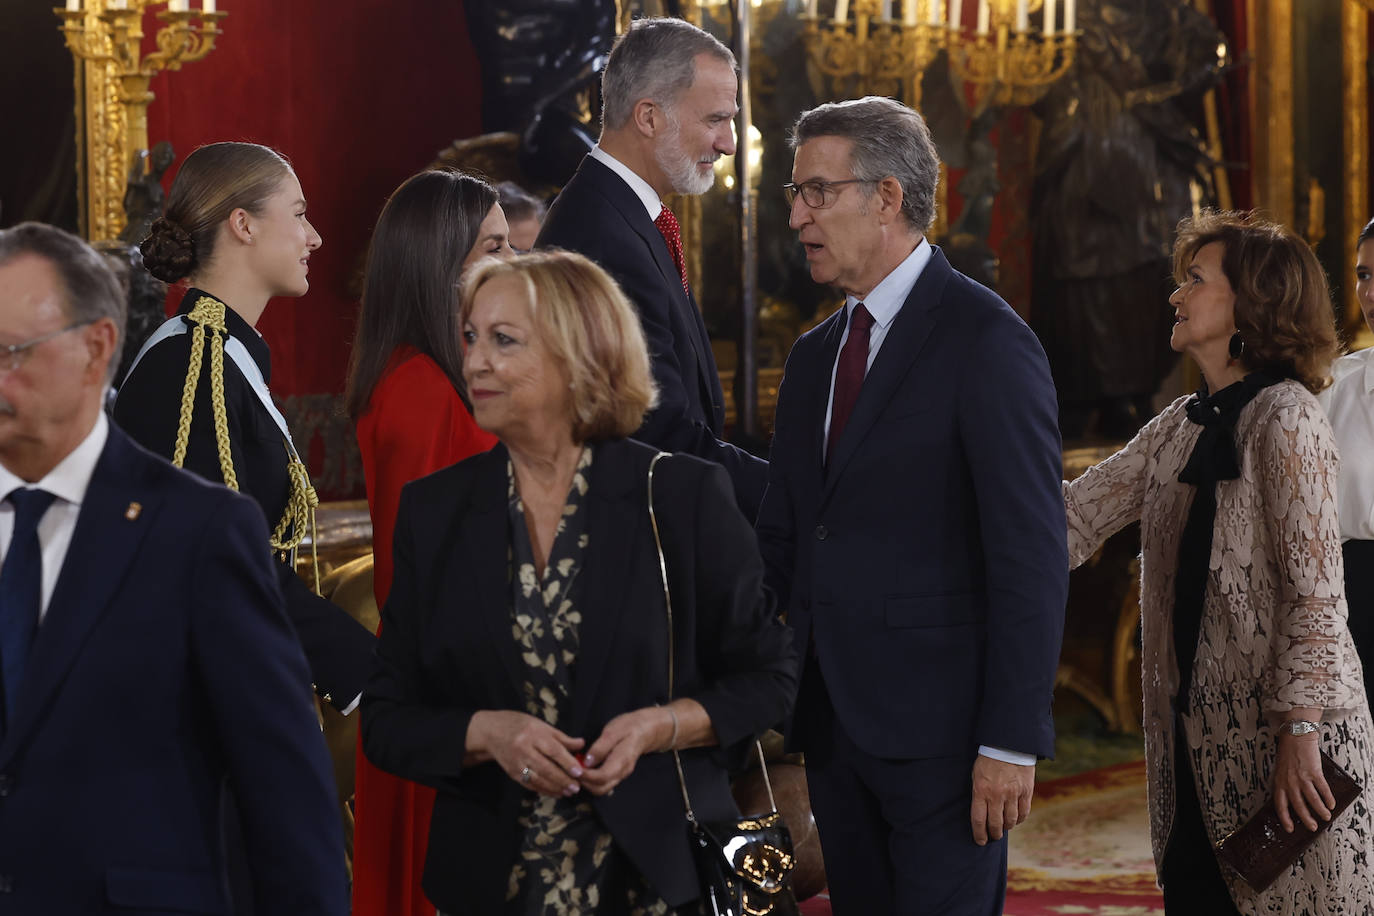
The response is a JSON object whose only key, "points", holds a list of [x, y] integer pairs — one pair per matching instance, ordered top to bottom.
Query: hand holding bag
{"points": [[1260, 850], [744, 866]]}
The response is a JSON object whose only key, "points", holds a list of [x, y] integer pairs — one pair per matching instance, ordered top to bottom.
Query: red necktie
{"points": [[672, 234], [849, 375]]}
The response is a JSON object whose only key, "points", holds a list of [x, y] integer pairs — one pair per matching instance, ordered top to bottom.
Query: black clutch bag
{"points": [[1260, 850], [744, 866]]}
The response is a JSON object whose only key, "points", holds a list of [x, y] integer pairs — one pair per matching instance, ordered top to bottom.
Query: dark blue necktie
{"points": [[21, 590]]}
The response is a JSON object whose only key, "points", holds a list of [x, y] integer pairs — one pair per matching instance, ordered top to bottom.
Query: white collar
{"points": [[643, 190], [885, 300], [72, 476]]}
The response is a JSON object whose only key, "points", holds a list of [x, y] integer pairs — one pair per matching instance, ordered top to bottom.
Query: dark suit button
{"points": [[822, 532], [5, 784], [6, 884]]}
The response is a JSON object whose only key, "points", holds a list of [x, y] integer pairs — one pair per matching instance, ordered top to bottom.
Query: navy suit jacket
{"points": [[600, 216], [927, 560], [446, 652], [165, 665]]}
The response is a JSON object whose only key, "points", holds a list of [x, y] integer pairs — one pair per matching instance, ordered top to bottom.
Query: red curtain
{"points": [[358, 95]]}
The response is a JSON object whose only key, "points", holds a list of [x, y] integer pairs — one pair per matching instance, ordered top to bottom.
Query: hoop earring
{"points": [[1236, 346]]}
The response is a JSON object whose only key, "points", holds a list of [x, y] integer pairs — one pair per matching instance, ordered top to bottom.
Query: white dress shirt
{"points": [[643, 190], [883, 303], [1349, 404], [68, 482]]}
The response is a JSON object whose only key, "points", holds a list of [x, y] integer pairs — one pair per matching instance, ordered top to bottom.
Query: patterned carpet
{"points": [[1085, 851]]}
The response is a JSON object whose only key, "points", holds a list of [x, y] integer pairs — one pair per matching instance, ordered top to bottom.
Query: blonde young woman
{"points": [[235, 230]]}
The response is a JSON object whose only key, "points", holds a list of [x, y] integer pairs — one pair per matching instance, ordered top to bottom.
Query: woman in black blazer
{"points": [[523, 665]]}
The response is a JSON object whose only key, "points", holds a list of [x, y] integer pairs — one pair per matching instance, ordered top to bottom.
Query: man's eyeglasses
{"points": [[818, 194], [12, 356]]}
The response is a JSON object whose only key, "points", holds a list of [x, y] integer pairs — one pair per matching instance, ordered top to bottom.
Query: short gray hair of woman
{"points": [[655, 59], [889, 139], [591, 330]]}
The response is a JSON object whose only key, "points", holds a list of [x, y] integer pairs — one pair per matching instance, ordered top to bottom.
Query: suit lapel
{"points": [[624, 199], [900, 348], [820, 396], [617, 523], [98, 560], [486, 566]]}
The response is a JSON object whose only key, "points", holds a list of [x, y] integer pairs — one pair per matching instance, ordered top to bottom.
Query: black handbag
{"points": [[744, 866]]}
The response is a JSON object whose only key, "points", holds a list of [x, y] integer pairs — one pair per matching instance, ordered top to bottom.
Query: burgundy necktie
{"points": [[672, 234], [849, 375]]}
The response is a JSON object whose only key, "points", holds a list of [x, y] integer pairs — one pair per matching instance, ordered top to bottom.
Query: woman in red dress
{"points": [[405, 393]]}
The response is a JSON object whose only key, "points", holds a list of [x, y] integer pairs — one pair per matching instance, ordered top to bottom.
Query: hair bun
{"points": [[169, 252]]}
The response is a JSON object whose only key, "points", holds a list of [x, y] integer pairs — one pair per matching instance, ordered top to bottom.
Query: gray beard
{"points": [[682, 170]]}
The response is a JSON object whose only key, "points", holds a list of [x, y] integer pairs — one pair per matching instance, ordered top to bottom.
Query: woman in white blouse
{"points": [[1349, 403], [1249, 671]]}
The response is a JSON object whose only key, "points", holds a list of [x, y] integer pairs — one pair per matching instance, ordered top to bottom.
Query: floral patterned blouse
{"points": [[566, 863]]}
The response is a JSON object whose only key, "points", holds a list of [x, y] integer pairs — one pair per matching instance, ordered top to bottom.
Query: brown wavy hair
{"points": [[1283, 302]]}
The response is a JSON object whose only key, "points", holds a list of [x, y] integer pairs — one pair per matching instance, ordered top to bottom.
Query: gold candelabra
{"points": [[886, 45], [881, 51], [1004, 60], [112, 77]]}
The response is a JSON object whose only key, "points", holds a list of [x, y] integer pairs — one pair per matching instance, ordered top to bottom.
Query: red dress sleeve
{"points": [[415, 424]]}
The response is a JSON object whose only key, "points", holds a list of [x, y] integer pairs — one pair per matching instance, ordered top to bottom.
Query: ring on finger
{"points": [[526, 775]]}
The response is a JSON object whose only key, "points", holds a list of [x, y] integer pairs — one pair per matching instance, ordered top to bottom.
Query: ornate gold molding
{"points": [[112, 76], [1271, 107], [100, 131], [1355, 138]]}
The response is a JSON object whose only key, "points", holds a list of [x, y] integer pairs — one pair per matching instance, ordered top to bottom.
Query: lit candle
{"points": [[73, 6], [178, 6], [207, 6], [841, 11], [909, 12], [956, 14], [984, 14], [1068, 15], [1022, 16], [1049, 18]]}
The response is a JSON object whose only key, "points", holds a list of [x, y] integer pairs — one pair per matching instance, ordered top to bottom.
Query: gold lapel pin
{"points": [[133, 511]]}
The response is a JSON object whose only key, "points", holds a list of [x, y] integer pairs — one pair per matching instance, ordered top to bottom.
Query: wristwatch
{"points": [[1298, 727]]}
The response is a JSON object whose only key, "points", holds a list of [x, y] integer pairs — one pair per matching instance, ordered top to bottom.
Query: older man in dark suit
{"points": [[669, 93], [914, 531], [146, 655]]}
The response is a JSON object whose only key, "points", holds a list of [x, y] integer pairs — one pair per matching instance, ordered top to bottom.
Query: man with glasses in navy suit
{"points": [[913, 530]]}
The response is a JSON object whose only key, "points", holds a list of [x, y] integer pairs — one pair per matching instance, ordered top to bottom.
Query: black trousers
{"points": [[1359, 596], [895, 833], [1191, 875]]}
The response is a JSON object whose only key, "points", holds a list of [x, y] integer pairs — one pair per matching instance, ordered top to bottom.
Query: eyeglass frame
{"points": [[793, 190], [12, 356]]}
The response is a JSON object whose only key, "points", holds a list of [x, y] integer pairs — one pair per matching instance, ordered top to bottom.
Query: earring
{"points": [[1236, 347]]}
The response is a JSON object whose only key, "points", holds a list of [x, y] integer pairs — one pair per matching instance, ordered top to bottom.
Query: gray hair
{"points": [[655, 59], [889, 139], [92, 291]]}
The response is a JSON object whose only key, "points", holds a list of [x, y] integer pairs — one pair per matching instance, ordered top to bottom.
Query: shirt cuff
{"points": [[352, 706], [997, 753]]}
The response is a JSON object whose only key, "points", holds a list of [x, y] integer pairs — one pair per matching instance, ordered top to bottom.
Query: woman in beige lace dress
{"points": [[1248, 666]]}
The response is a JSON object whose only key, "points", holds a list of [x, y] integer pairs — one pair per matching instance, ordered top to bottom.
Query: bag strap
{"points": [[668, 603]]}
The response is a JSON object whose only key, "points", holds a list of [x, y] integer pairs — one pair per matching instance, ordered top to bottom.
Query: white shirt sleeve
{"points": [[1016, 757]]}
